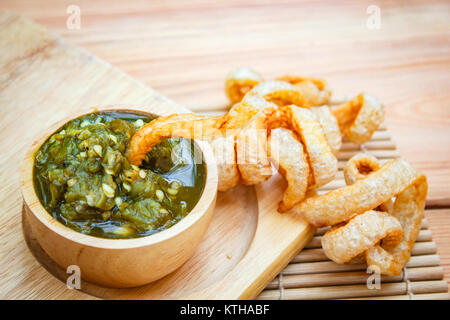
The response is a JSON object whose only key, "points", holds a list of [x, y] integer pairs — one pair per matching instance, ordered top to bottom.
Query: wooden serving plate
{"points": [[44, 79], [234, 242], [119, 263]]}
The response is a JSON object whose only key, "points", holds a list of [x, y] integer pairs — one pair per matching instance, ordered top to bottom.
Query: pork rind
{"points": [[240, 81], [315, 91], [281, 93], [360, 117], [184, 125], [190, 126], [330, 127], [223, 148], [251, 150], [314, 151], [252, 153], [303, 153], [244, 154], [288, 155], [323, 163], [359, 167], [344, 203], [409, 210], [344, 243], [389, 254]]}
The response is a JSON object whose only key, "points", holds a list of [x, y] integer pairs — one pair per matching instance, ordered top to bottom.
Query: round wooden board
{"points": [[227, 240]]}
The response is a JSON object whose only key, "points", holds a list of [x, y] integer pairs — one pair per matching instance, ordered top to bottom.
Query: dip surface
{"points": [[82, 178]]}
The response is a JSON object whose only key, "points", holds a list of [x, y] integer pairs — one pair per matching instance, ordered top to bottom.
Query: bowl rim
{"points": [[31, 199]]}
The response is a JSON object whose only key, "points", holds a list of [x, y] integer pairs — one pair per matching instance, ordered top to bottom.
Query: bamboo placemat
{"points": [[311, 275]]}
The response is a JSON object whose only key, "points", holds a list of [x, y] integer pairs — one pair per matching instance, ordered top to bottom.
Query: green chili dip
{"points": [[84, 180]]}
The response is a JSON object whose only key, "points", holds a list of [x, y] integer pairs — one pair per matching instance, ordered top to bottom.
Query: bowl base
{"points": [[227, 240]]}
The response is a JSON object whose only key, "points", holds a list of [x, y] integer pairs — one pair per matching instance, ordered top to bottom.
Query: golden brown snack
{"points": [[240, 81], [315, 91], [281, 93], [360, 117], [357, 118], [253, 119], [181, 125], [189, 125], [330, 127], [223, 148], [251, 149], [252, 153], [287, 153], [323, 163], [360, 166], [343, 204], [409, 210], [344, 243], [389, 255]]}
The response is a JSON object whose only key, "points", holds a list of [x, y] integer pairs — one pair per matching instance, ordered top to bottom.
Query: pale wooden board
{"points": [[184, 48], [44, 79]]}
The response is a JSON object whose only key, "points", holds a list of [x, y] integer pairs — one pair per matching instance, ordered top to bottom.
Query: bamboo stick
{"points": [[378, 135], [371, 145], [379, 154], [438, 203], [424, 224], [424, 236], [316, 242], [421, 248], [317, 254], [311, 255], [330, 266], [425, 273], [353, 277], [325, 279], [418, 287], [355, 291], [427, 296]]}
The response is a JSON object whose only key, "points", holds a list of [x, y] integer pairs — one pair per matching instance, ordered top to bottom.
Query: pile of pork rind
{"points": [[294, 125]]}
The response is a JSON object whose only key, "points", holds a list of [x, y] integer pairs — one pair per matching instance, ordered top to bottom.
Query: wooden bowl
{"points": [[119, 263]]}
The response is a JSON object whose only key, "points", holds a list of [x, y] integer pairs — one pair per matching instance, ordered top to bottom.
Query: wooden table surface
{"points": [[184, 49]]}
